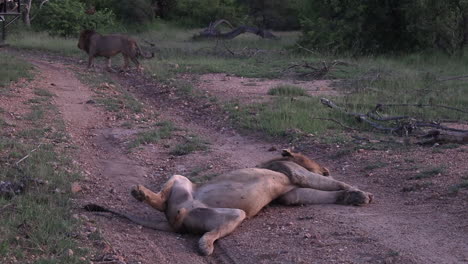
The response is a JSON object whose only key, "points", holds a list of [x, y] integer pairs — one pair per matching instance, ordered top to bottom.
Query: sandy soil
{"points": [[426, 225]]}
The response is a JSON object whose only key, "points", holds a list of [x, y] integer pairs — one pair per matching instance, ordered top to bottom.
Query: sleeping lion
{"points": [[215, 208]]}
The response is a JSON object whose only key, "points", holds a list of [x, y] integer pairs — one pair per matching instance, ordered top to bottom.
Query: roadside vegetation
{"points": [[12, 69], [362, 83], [37, 225]]}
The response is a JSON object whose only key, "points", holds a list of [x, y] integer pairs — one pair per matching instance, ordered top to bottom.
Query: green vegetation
{"points": [[68, 18], [371, 27], [42, 41], [12, 69], [361, 84], [287, 90], [43, 92], [110, 95], [154, 135], [190, 145], [375, 165], [428, 173], [417, 187], [454, 189], [37, 225]]}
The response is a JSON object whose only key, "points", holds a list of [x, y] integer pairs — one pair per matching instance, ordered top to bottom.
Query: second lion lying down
{"points": [[217, 207]]}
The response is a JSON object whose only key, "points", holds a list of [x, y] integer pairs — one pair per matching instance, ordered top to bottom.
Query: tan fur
{"points": [[97, 45], [310, 165], [217, 207]]}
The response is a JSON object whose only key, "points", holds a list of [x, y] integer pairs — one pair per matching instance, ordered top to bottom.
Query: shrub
{"points": [[201, 12], [68, 17], [374, 26], [287, 90]]}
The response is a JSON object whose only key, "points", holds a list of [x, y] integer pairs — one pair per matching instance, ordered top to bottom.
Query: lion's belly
{"points": [[247, 189]]}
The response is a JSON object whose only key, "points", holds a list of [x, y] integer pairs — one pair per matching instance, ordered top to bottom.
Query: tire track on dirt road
{"points": [[109, 172], [309, 234]]}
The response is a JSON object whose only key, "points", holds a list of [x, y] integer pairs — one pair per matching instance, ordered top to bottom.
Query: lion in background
{"points": [[97, 45], [215, 208]]}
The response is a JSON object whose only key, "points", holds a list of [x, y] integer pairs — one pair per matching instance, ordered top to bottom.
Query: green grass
{"points": [[42, 41], [12, 69], [362, 82], [287, 90], [43, 92], [112, 102], [154, 135], [190, 145], [375, 165], [428, 173], [417, 187], [454, 189], [38, 222], [37, 225]]}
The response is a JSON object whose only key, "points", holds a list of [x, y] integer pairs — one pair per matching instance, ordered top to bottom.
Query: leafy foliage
{"points": [[202, 12], [274, 14], [68, 17], [373, 26]]}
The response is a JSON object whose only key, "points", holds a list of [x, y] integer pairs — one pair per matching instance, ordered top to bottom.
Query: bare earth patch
{"points": [[250, 90], [424, 225]]}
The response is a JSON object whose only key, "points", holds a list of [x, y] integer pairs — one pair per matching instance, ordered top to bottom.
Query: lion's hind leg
{"points": [[301, 177], [301, 196], [156, 200], [216, 222]]}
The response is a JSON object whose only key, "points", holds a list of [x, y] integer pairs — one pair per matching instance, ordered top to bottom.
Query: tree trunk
{"points": [[26, 13]]}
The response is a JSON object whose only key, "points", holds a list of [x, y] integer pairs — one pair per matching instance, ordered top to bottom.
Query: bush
{"points": [[133, 11], [199, 13], [275, 14], [68, 17], [437, 24], [374, 26]]}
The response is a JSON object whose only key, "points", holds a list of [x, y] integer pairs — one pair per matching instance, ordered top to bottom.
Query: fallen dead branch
{"points": [[212, 32], [317, 70], [453, 78], [381, 106], [334, 121], [406, 125], [443, 137], [27, 156]]}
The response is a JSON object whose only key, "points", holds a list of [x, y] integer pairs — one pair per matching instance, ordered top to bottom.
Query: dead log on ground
{"points": [[212, 32], [317, 70], [406, 125], [444, 137]]}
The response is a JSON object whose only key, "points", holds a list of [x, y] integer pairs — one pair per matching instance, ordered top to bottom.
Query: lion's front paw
{"points": [[138, 193], [355, 197], [205, 246]]}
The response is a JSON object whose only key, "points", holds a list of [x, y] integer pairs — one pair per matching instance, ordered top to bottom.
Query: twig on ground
{"points": [[306, 49], [453, 78], [380, 106], [335, 121], [401, 128], [27, 156]]}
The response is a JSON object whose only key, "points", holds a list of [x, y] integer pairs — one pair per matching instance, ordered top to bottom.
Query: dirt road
{"points": [[413, 227]]}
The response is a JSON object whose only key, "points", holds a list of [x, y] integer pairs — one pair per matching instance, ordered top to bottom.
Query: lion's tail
{"points": [[134, 219]]}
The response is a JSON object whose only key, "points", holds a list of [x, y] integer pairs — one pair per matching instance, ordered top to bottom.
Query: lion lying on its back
{"points": [[97, 45], [217, 207]]}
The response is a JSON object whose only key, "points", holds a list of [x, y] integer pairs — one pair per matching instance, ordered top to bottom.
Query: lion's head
{"points": [[85, 38], [299, 159], [305, 162]]}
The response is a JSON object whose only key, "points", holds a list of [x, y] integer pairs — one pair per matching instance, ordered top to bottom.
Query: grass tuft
{"points": [[12, 69], [287, 90], [154, 135], [190, 145], [428, 173]]}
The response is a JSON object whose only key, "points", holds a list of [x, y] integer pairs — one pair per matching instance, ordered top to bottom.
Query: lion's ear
{"points": [[286, 153], [326, 171]]}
